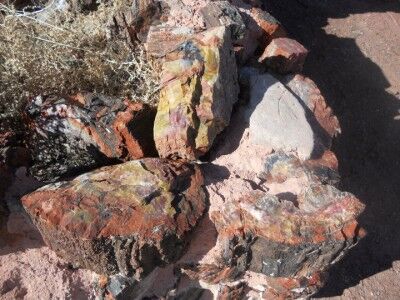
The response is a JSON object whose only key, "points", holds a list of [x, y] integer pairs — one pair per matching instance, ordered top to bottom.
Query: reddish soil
{"points": [[355, 60]]}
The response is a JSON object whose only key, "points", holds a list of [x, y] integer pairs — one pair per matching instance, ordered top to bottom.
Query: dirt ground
{"points": [[355, 59]]}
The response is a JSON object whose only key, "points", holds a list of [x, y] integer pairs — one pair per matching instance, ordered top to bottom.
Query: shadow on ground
{"points": [[369, 146]]}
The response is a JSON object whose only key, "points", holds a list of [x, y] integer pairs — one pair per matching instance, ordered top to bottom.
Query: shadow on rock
{"points": [[368, 148]]}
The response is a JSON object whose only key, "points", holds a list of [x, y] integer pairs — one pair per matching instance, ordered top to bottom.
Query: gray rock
{"points": [[222, 13], [279, 121]]}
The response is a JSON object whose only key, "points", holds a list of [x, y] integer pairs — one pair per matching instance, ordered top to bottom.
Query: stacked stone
{"points": [[279, 227]]}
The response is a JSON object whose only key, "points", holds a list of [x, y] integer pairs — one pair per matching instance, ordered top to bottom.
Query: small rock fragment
{"points": [[270, 28], [284, 55], [128, 218]]}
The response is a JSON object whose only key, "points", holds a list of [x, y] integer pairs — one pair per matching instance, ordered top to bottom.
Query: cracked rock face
{"points": [[199, 90], [86, 131], [127, 219], [282, 236]]}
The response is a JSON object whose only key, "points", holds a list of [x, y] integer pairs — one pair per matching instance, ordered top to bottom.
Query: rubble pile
{"points": [[227, 189]]}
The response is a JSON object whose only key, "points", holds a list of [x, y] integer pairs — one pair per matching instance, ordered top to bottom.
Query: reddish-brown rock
{"points": [[134, 22], [270, 28], [162, 40], [284, 55], [311, 96], [86, 131], [128, 218], [287, 231]]}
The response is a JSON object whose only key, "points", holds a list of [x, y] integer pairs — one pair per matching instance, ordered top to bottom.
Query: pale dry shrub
{"points": [[56, 51]]}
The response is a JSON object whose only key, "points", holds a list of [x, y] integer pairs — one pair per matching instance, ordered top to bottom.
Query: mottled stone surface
{"points": [[133, 22], [162, 39], [284, 55], [199, 89], [78, 133], [280, 167], [127, 219], [282, 236], [287, 237]]}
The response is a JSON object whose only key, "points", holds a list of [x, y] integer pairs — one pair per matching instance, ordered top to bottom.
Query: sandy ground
{"points": [[355, 60], [29, 269]]}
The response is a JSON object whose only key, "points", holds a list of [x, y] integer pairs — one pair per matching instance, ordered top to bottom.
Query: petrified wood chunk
{"points": [[128, 218]]}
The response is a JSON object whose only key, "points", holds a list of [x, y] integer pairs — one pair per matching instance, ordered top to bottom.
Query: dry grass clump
{"points": [[58, 51]]}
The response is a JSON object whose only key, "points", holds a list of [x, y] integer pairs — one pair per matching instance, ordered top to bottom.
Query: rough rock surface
{"points": [[222, 13], [133, 22], [269, 27], [163, 39], [284, 55], [199, 89], [308, 92], [280, 120], [86, 131], [125, 219], [280, 219], [288, 235]]}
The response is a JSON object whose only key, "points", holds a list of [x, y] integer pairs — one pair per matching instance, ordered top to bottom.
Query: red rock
{"points": [[134, 22], [270, 27], [162, 40], [284, 55], [309, 93], [86, 131], [128, 218], [286, 237], [291, 288]]}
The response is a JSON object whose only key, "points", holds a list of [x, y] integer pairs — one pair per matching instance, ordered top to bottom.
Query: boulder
{"points": [[284, 55], [199, 89], [279, 120], [71, 134], [128, 218], [288, 236]]}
